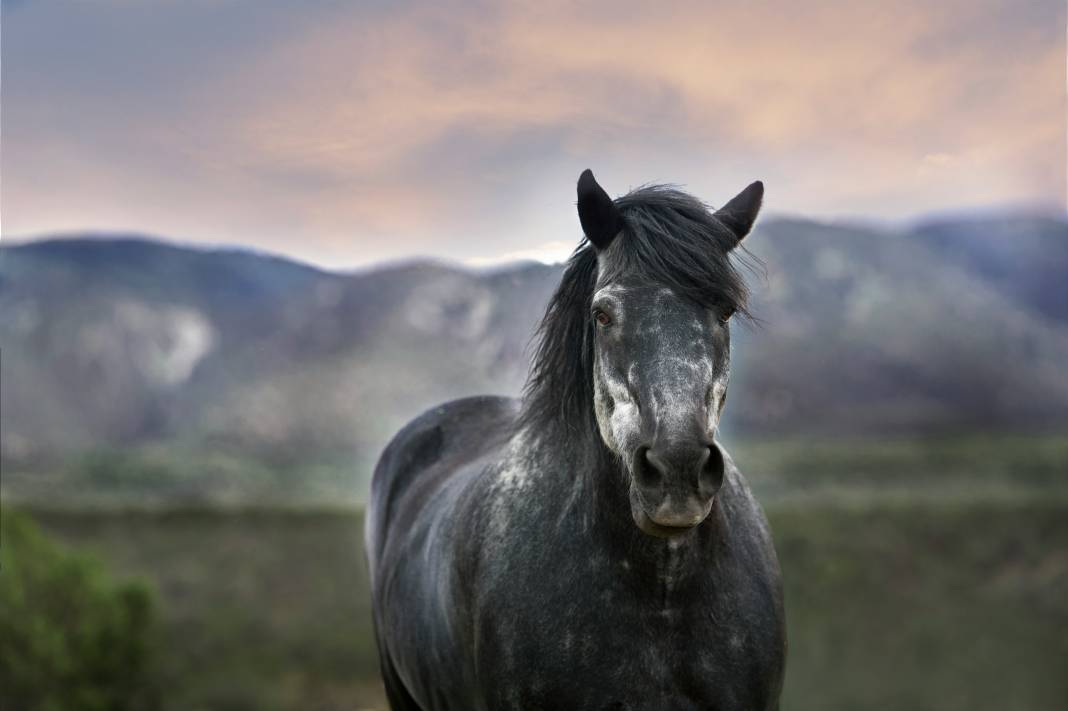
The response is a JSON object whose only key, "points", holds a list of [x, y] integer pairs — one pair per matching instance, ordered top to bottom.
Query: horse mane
{"points": [[669, 238]]}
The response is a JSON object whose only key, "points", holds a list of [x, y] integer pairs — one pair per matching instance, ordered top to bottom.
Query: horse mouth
{"points": [[648, 525], [651, 527]]}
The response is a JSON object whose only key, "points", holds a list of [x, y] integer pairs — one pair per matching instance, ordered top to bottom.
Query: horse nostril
{"points": [[646, 472], [711, 476]]}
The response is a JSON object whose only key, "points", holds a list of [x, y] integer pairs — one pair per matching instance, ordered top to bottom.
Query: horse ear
{"points": [[739, 214], [600, 217]]}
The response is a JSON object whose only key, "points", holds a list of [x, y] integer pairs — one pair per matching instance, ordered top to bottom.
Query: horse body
{"points": [[507, 569], [520, 595]]}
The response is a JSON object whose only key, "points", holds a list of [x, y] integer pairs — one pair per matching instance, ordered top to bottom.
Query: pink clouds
{"points": [[458, 129]]}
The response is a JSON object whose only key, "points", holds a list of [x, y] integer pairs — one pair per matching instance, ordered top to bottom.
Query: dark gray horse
{"points": [[591, 546]]}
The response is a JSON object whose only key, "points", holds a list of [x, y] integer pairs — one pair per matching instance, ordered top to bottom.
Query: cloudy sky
{"points": [[346, 133]]}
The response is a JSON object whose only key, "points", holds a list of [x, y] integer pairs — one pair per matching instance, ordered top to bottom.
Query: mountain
{"points": [[1023, 257], [902, 332], [127, 343], [131, 344]]}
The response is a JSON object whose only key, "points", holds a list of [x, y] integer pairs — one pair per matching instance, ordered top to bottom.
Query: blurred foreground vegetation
{"points": [[919, 575], [70, 638]]}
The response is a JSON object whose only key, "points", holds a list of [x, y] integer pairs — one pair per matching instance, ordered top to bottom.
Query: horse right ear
{"points": [[740, 213], [600, 217]]}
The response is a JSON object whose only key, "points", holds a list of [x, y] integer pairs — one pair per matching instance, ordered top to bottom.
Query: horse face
{"points": [[661, 365], [660, 368]]}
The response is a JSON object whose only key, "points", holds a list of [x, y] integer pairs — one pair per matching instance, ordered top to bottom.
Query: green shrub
{"points": [[70, 638]]}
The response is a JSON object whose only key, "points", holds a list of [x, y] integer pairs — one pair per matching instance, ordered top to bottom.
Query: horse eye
{"points": [[726, 315], [602, 318]]}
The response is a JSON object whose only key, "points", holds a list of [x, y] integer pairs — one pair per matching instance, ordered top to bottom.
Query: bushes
{"points": [[70, 638]]}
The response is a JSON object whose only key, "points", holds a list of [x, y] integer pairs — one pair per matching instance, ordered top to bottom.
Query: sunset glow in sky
{"points": [[349, 133]]}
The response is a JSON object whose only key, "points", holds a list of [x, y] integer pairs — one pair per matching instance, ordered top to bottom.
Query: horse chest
{"points": [[598, 642]]}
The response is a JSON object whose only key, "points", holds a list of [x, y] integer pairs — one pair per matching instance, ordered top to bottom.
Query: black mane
{"points": [[669, 238]]}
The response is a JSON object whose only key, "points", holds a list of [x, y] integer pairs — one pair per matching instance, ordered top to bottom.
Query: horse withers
{"points": [[591, 546]]}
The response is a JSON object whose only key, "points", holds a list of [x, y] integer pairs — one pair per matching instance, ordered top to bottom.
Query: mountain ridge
{"points": [[132, 342]]}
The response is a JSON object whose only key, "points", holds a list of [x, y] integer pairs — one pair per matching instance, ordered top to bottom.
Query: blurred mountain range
{"points": [[123, 342]]}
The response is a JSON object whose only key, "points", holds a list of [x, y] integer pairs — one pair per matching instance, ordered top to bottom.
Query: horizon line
{"points": [[891, 225]]}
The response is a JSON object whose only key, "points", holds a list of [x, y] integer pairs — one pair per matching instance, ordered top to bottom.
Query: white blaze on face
{"points": [[715, 407], [617, 414]]}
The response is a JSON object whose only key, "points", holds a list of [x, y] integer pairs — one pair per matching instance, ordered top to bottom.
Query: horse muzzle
{"points": [[673, 488]]}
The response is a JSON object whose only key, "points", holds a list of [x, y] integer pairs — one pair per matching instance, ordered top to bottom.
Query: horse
{"points": [[591, 545]]}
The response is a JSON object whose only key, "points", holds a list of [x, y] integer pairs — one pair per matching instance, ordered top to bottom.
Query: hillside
{"points": [[140, 347]]}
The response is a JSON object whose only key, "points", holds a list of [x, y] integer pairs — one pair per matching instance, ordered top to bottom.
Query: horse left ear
{"points": [[740, 213], [600, 217]]}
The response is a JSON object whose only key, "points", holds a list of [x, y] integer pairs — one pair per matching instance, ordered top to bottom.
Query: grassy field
{"points": [[943, 587]]}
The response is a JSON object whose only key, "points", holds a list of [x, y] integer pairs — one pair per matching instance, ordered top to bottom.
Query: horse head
{"points": [[660, 313]]}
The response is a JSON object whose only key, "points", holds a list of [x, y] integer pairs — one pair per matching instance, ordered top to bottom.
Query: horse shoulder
{"points": [[425, 451], [415, 518], [762, 589]]}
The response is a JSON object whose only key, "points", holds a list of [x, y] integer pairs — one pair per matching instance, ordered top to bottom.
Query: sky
{"points": [[349, 133]]}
